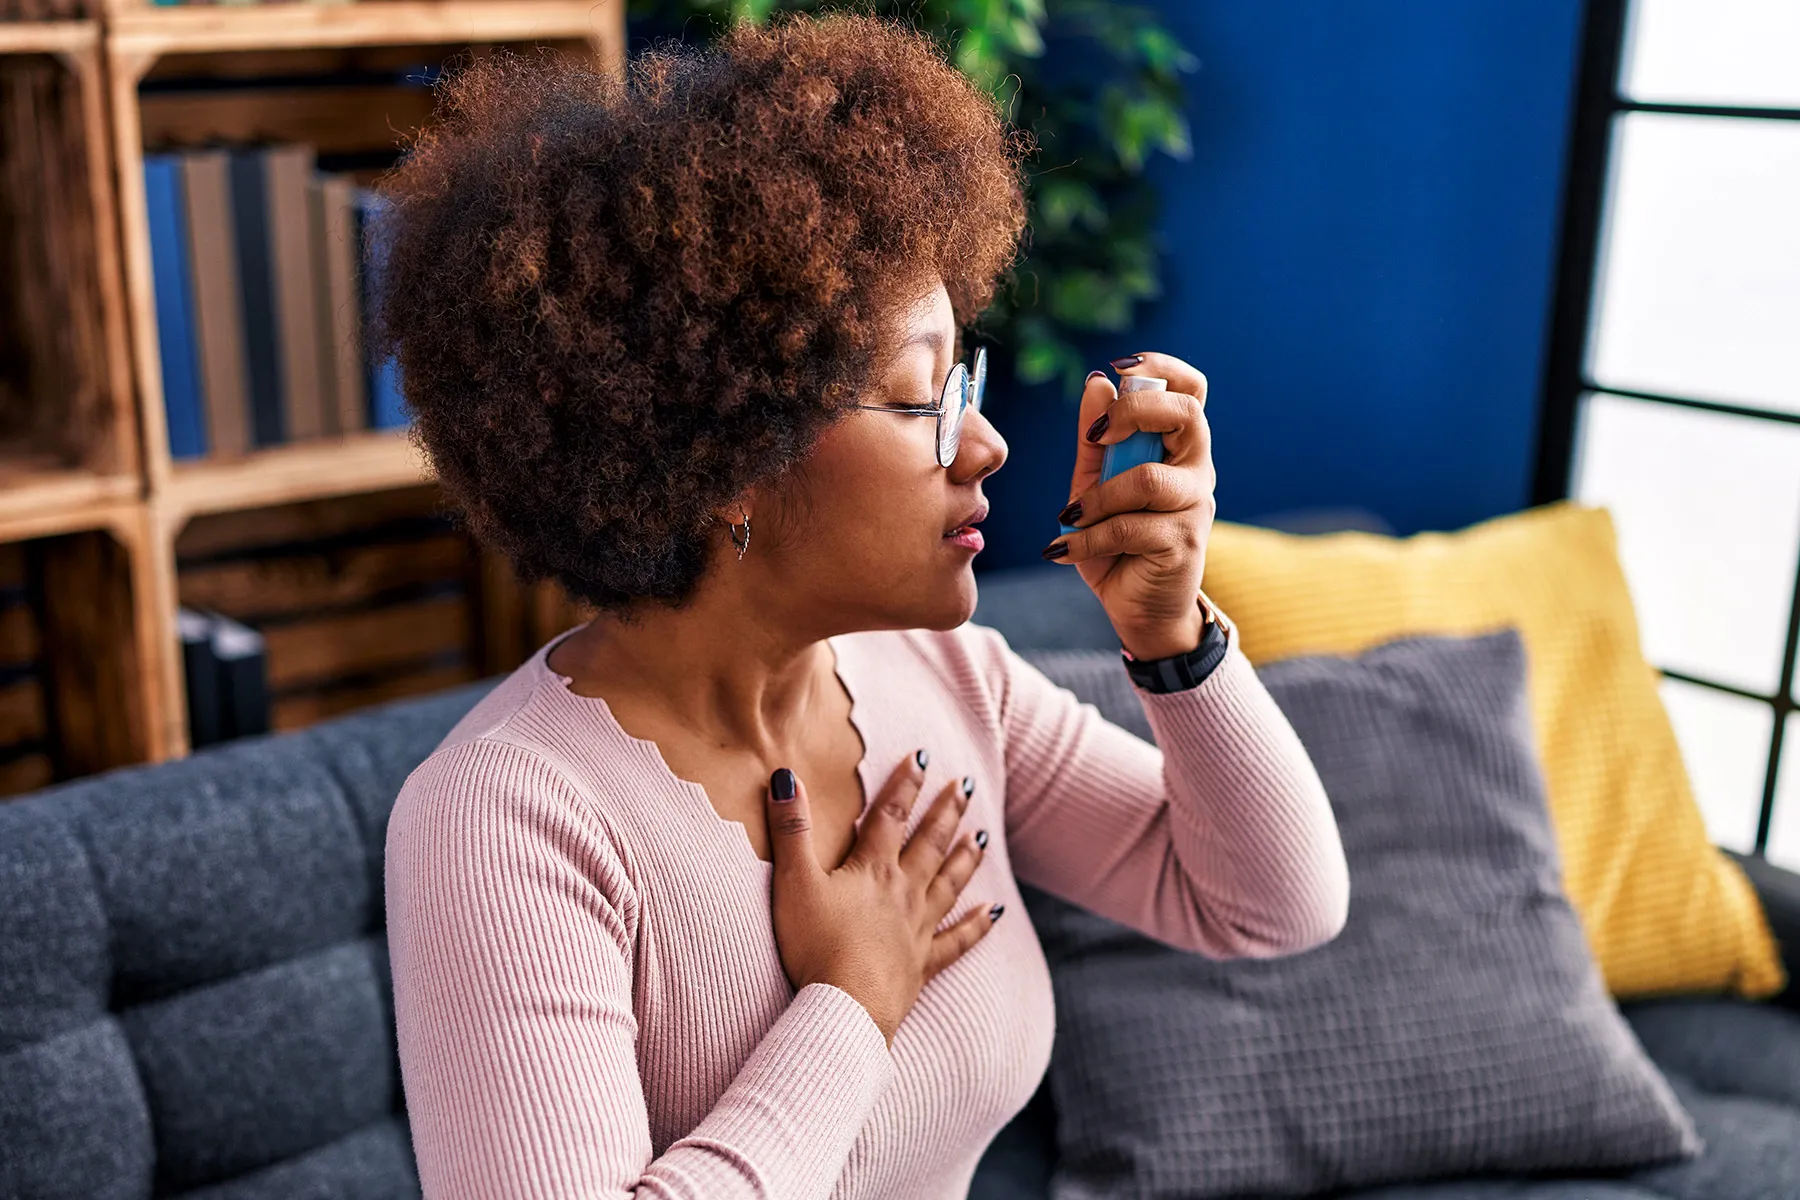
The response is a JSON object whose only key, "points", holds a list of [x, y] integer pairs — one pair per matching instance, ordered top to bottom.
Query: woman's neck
{"points": [[729, 671]]}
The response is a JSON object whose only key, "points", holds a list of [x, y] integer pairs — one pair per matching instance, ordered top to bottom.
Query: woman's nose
{"points": [[981, 450]]}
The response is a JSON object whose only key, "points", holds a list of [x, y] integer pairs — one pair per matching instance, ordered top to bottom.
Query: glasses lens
{"points": [[978, 379], [954, 402]]}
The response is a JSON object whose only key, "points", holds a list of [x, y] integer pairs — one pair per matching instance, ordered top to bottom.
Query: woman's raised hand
{"points": [[1142, 535], [870, 926]]}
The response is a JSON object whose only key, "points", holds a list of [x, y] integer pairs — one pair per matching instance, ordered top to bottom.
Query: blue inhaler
{"points": [[1141, 447]]}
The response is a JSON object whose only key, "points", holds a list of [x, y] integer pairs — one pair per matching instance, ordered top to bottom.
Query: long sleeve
{"points": [[1217, 839], [511, 927]]}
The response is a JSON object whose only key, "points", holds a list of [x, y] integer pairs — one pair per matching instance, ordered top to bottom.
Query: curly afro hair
{"points": [[617, 301]]}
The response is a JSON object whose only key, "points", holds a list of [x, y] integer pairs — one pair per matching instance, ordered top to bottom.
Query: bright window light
{"points": [[1734, 53], [1698, 293], [1707, 508], [1725, 744]]}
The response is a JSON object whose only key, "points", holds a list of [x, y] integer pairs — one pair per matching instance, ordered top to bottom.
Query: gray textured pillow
{"points": [[1458, 1024]]}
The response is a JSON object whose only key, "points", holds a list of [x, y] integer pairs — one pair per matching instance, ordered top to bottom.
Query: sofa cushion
{"points": [[1664, 910], [194, 986], [1458, 1024], [1725, 1046], [1734, 1065], [1752, 1143]]}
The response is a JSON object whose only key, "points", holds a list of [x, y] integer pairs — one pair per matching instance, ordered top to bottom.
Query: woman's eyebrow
{"points": [[930, 337]]}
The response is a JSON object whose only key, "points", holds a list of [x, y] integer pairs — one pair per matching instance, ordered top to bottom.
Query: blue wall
{"points": [[1360, 256]]}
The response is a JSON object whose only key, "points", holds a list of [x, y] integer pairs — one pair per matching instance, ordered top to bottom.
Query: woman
{"points": [[715, 895]]}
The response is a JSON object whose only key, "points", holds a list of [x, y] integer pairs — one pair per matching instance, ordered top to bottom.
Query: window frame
{"points": [[1599, 103]]}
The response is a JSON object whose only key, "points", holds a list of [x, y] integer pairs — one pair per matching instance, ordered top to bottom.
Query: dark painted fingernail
{"points": [[1126, 363], [1092, 375], [1098, 427], [1071, 514], [1056, 549], [920, 757], [781, 784], [968, 786], [981, 838], [994, 912]]}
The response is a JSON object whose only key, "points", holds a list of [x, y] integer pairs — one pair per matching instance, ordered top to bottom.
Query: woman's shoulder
{"points": [[531, 715], [518, 766], [496, 778], [492, 812], [487, 832]]}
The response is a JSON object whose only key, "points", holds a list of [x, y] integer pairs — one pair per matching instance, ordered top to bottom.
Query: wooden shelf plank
{"points": [[209, 28], [48, 37], [309, 470], [40, 501], [91, 663]]}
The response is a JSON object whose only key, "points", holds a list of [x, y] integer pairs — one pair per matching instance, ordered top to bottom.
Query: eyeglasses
{"points": [[962, 395]]}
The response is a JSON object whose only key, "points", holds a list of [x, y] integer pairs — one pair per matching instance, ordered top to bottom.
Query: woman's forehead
{"points": [[933, 309]]}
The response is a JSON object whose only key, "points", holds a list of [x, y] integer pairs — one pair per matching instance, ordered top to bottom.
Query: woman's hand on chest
{"points": [[869, 926]]}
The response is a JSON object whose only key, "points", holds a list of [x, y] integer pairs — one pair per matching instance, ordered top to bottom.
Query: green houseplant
{"points": [[1099, 85]]}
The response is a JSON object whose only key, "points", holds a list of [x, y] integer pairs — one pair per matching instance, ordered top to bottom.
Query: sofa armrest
{"points": [[1779, 890]]}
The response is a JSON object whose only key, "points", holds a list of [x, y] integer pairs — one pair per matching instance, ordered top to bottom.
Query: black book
{"points": [[256, 275], [243, 676], [205, 712]]}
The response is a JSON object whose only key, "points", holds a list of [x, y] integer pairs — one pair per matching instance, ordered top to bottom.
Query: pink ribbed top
{"points": [[588, 992]]}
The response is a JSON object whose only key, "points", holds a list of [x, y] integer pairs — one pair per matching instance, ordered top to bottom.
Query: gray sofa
{"points": [[195, 1000], [1735, 1065]]}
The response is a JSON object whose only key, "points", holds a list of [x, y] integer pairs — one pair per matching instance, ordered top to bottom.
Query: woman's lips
{"points": [[968, 537]]}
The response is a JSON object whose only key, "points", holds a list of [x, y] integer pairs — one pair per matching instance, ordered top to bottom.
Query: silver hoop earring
{"points": [[745, 544]]}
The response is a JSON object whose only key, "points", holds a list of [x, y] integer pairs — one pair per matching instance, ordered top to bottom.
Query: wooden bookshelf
{"points": [[139, 35], [48, 37], [82, 454], [311, 470], [44, 499], [100, 513], [73, 524]]}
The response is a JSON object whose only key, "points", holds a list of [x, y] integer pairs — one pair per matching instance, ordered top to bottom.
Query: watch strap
{"points": [[1179, 672]]}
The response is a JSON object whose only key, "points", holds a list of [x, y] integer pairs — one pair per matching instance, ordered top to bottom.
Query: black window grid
{"points": [[1598, 105]]}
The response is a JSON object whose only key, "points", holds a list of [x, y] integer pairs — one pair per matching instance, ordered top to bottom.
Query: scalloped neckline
{"points": [[652, 753]]}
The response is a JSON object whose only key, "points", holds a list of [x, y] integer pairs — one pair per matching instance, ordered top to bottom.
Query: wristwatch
{"points": [[1178, 672]]}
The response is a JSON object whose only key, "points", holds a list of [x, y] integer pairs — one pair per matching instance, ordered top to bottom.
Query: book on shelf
{"points": [[212, 249], [171, 284], [294, 286], [256, 290], [260, 297], [343, 384], [387, 405], [225, 663], [201, 671], [243, 677]]}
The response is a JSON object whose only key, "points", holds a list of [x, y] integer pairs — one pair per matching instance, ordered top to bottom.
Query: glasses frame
{"points": [[966, 383]]}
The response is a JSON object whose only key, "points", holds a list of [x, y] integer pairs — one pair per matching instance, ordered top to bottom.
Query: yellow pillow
{"points": [[1665, 911]]}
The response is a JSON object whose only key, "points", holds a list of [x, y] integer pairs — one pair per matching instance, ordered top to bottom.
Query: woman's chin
{"points": [[935, 594], [954, 602]]}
